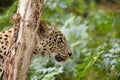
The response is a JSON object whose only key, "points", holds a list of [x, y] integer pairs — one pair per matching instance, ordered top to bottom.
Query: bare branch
{"points": [[26, 24]]}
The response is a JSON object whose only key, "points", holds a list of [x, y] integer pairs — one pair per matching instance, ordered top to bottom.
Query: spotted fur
{"points": [[50, 42]]}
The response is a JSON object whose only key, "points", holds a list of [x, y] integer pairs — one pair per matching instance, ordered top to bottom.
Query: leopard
{"points": [[50, 42]]}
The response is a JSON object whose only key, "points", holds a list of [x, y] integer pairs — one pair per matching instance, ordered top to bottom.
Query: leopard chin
{"points": [[59, 58]]}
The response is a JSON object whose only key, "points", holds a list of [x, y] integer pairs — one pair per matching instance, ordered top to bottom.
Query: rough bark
{"points": [[26, 24]]}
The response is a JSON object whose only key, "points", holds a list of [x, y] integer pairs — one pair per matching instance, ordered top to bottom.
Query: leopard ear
{"points": [[44, 29]]}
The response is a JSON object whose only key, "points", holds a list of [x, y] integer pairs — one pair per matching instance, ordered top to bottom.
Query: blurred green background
{"points": [[92, 29]]}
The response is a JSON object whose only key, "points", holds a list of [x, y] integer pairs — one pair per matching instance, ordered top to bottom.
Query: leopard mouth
{"points": [[59, 58]]}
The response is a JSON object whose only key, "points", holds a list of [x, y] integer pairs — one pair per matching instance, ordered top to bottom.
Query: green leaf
{"points": [[81, 66]]}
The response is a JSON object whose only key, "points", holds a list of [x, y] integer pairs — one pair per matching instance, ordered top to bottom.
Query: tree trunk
{"points": [[26, 24]]}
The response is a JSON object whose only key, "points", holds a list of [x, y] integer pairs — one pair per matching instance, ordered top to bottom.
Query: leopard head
{"points": [[53, 44]]}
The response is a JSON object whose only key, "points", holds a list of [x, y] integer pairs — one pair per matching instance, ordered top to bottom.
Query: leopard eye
{"points": [[61, 45]]}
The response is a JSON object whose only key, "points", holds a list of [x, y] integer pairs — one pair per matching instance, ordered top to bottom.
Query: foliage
{"points": [[6, 16], [94, 37], [39, 67]]}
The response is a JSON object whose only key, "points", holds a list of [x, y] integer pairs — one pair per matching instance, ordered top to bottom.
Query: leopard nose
{"points": [[70, 53]]}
